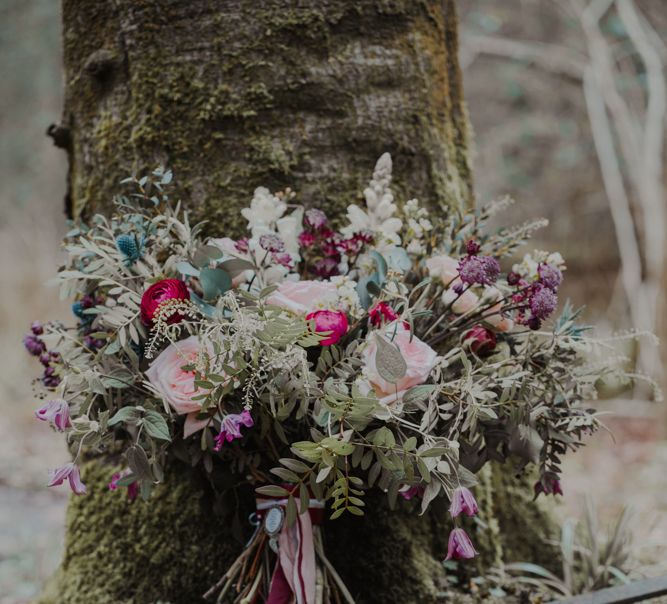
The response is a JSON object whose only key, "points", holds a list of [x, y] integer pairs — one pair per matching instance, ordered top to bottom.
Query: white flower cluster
{"points": [[380, 217], [418, 225]]}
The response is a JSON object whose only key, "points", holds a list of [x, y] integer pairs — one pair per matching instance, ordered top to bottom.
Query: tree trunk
{"points": [[232, 94]]}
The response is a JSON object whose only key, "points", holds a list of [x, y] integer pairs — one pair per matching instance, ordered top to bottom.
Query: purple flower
{"points": [[315, 218], [272, 243], [472, 247], [482, 270], [550, 276], [542, 302], [37, 328], [34, 345], [56, 412], [230, 428], [70, 472], [548, 484], [132, 488], [463, 501], [460, 547]]}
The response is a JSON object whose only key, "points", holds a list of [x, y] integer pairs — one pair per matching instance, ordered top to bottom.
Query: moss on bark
{"points": [[231, 95]]}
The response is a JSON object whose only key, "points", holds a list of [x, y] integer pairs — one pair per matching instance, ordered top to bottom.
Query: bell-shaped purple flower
{"points": [[56, 412], [230, 428], [70, 472], [132, 488], [463, 501], [460, 547]]}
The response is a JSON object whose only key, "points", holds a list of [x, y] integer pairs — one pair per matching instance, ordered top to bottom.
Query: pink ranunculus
{"points": [[445, 268], [156, 294], [302, 297], [381, 313], [333, 322], [481, 339], [419, 357], [177, 386], [56, 412], [230, 427], [70, 472], [463, 501], [460, 547]]}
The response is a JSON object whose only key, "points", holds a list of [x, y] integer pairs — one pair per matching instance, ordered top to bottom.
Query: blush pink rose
{"points": [[445, 268], [302, 297], [462, 304], [494, 316], [333, 322], [419, 357], [176, 386]]}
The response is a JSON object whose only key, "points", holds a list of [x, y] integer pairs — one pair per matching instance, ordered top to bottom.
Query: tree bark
{"points": [[232, 94]]}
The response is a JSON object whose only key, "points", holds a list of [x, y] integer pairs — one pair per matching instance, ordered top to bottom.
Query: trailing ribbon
{"points": [[301, 574], [294, 577]]}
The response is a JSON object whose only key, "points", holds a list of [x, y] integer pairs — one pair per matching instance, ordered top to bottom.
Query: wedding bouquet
{"points": [[314, 360]]}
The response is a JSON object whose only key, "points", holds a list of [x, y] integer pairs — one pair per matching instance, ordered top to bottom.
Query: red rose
{"points": [[156, 294], [333, 321], [483, 339]]}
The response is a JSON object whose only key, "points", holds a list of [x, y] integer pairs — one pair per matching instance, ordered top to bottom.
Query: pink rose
{"points": [[445, 268], [156, 294], [302, 297], [461, 304], [497, 320], [333, 321], [419, 357], [177, 386]]}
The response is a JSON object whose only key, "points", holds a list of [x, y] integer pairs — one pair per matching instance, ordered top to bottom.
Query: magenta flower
{"points": [[381, 312], [333, 322], [56, 412], [230, 428], [69, 471], [132, 489], [412, 492], [463, 501], [460, 547]]}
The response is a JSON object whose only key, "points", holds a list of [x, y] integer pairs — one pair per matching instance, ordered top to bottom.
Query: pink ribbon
{"points": [[293, 580]]}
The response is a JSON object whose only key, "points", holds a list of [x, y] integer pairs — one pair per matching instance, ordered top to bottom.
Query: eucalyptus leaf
{"points": [[214, 282], [389, 361]]}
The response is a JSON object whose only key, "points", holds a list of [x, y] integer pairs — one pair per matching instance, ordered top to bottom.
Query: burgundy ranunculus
{"points": [[156, 294], [333, 321], [483, 340]]}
